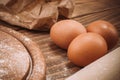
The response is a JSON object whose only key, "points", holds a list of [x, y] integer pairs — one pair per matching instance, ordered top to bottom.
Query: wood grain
{"points": [[84, 7], [86, 11]]}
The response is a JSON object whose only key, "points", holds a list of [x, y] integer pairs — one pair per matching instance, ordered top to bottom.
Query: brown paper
{"points": [[34, 14]]}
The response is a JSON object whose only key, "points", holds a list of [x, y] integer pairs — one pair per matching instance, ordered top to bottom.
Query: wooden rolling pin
{"points": [[105, 68]]}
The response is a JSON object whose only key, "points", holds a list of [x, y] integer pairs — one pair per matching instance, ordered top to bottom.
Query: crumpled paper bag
{"points": [[34, 14]]}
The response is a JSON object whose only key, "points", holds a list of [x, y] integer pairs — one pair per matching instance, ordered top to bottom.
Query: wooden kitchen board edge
{"points": [[83, 8]]}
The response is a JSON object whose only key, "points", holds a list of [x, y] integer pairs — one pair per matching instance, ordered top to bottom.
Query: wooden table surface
{"points": [[86, 11]]}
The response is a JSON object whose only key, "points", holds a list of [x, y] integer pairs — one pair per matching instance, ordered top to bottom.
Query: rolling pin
{"points": [[105, 68]]}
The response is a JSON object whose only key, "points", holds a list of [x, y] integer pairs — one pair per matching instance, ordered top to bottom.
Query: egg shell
{"points": [[106, 30], [63, 32], [86, 48]]}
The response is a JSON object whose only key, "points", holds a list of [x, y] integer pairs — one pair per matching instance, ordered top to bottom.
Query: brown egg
{"points": [[105, 29], [63, 32], [86, 48]]}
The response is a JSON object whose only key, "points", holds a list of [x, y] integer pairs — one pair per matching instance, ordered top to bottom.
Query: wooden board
{"points": [[86, 11]]}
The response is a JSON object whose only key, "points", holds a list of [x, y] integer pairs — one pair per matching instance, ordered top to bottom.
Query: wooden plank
{"points": [[78, 2], [84, 7], [112, 15], [62, 74]]}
